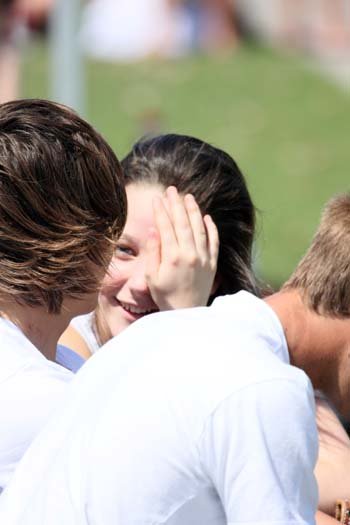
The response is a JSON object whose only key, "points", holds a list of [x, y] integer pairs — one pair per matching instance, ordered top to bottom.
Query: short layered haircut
{"points": [[62, 204], [323, 275]]}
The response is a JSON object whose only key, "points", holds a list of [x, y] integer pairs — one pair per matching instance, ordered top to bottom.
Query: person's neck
{"points": [[40, 327], [316, 343]]}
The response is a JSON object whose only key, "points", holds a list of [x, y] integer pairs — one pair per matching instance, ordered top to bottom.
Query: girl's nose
{"points": [[137, 281]]}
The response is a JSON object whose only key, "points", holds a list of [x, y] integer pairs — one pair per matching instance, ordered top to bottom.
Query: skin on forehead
{"points": [[140, 211]]}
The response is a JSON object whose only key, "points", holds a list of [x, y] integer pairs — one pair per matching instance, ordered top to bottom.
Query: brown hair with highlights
{"points": [[62, 204]]}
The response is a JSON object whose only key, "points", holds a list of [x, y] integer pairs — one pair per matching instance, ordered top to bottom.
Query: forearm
{"points": [[333, 466], [325, 519]]}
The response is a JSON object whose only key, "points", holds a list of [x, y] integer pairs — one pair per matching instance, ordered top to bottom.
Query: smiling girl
{"points": [[181, 192]]}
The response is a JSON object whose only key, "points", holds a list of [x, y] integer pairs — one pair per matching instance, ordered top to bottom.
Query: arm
{"points": [[183, 253], [333, 465], [325, 519]]}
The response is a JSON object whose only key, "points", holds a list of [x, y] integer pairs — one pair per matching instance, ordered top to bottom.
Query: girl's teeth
{"points": [[135, 310]]}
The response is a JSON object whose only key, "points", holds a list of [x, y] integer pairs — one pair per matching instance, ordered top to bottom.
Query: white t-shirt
{"points": [[83, 325], [31, 386], [197, 419]]}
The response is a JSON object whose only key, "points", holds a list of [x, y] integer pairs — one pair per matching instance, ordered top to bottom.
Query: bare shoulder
{"points": [[75, 341]]}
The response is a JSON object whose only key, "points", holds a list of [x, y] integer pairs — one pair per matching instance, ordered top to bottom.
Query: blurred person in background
{"points": [[16, 16], [216, 24], [321, 28], [130, 30], [318, 30], [10, 36]]}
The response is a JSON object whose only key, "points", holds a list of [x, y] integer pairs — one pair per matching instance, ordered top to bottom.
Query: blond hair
{"points": [[323, 275]]}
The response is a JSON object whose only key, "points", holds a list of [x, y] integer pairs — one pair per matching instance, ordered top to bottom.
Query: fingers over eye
{"points": [[181, 222], [165, 227], [199, 231], [213, 240], [153, 254]]}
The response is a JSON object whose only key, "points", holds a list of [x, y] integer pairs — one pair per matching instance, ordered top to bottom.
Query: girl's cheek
{"points": [[117, 273]]}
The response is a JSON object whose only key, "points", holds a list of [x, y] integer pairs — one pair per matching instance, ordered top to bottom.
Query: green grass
{"points": [[287, 128]]}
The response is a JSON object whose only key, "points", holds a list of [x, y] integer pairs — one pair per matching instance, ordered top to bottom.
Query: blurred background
{"points": [[266, 80]]}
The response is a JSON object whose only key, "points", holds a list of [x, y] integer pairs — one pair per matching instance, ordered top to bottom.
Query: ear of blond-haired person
{"points": [[74, 340]]}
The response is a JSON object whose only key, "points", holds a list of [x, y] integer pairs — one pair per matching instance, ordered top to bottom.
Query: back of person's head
{"points": [[214, 179], [62, 202], [323, 275]]}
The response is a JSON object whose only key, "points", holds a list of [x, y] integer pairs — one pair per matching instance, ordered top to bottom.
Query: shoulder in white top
{"points": [[31, 387]]}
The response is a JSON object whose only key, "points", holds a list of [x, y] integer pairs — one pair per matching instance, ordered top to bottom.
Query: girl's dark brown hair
{"points": [[216, 182], [62, 203]]}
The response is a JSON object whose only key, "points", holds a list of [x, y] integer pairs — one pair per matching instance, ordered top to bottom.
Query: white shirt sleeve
{"points": [[259, 448]]}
